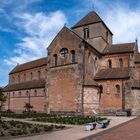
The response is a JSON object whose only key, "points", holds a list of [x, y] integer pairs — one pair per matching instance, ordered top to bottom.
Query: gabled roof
{"points": [[90, 18], [61, 32], [76, 35], [120, 48], [30, 65], [113, 73], [25, 85]]}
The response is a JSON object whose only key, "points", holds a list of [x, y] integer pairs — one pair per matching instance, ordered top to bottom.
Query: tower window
{"points": [[86, 33], [64, 53], [73, 56], [55, 59], [109, 63]]}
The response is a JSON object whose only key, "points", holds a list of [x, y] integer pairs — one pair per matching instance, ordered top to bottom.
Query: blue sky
{"points": [[28, 26]]}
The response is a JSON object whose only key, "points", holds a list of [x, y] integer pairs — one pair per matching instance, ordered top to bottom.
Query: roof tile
{"points": [[30, 65], [113, 73], [26, 85]]}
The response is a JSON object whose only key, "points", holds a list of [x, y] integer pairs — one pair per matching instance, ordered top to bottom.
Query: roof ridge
{"points": [[98, 19], [124, 43]]}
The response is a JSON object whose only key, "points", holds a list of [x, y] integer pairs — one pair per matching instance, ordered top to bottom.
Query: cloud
{"points": [[121, 20], [40, 29]]}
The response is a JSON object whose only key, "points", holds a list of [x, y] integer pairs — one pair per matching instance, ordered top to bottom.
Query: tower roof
{"points": [[90, 18]]}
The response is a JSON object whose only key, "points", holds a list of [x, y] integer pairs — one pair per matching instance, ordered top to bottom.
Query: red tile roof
{"points": [[90, 18], [120, 48], [29, 65], [113, 73], [26, 85]]}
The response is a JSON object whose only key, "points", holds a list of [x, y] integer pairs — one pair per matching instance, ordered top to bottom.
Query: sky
{"points": [[27, 27]]}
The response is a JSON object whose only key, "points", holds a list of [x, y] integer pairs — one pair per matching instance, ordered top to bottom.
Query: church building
{"points": [[83, 71]]}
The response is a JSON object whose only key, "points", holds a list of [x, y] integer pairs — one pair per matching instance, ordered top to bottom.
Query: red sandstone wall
{"points": [[65, 39], [115, 60], [28, 75], [63, 88], [109, 99], [18, 100]]}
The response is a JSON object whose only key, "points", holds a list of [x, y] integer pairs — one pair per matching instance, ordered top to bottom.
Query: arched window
{"points": [[86, 33], [64, 52], [73, 56], [55, 59], [109, 63], [120, 63], [39, 74], [31, 75], [24, 77], [18, 78], [13, 79], [101, 89], [117, 89], [35, 92], [100, 92], [19, 93], [27, 93], [13, 94]]}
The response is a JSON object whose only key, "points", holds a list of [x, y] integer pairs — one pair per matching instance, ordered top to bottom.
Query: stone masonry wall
{"points": [[19, 98]]}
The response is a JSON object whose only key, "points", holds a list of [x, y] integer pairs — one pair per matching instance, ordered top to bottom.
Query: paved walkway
{"points": [[130, 131], [75, 132]]}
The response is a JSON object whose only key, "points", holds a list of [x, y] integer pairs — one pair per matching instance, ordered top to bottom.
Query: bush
{"points": [[15, 128]]}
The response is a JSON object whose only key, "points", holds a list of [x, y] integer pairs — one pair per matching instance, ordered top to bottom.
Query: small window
{"points": [[86, 33], [107, 36], [64, 53], [73, 56], [55, 59], [109, 63], [120, 63], [39, 74], [31, 75], [24, 77], [18, 78], [13, 79], [101, 89], [117, 89], [35, 92], [100, 92], [19, 93], [27, 93], [13, 94]]}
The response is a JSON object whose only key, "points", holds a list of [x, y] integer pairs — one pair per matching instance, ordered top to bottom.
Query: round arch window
{"points": [[64, 53]]}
